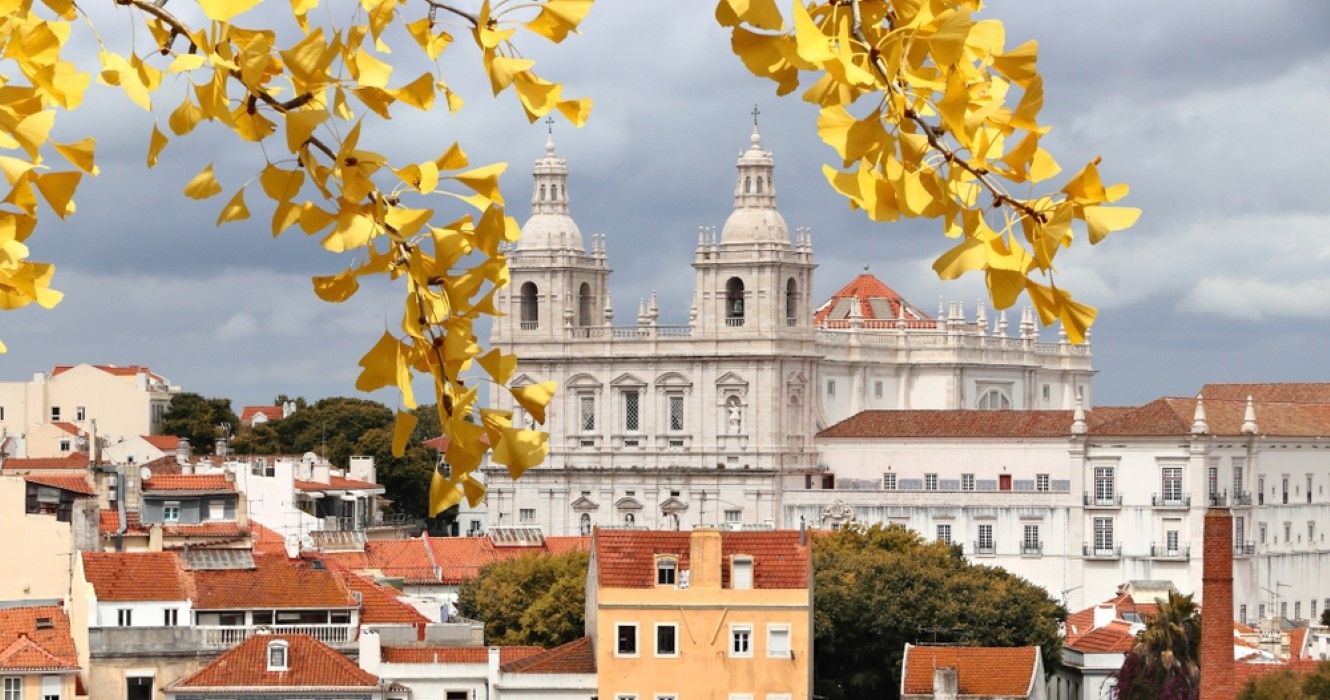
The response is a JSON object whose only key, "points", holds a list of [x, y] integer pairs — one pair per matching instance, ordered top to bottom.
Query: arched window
{"points": [[759, 184], [748, 185], [554, 192], [542, 193], [734, 302], [791, 302], [584, 305], [530, 310], [993, 400], [629, 519], [584, 524]]}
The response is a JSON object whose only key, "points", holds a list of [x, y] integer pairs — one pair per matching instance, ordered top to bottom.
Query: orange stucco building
{"points": [[701, 615]]}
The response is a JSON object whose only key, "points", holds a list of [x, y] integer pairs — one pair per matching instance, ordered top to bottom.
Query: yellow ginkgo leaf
{"points": [[224, 10], [762, 14], [559, 17], [186, 62], [503, 70], [370, 71], [418, 93], [576, 111], [185, 117], [300, 126], [33, 130], [155, 145], [79, 154], [484, 181], [203, 185], [281, 185], [58, 190], [235, 210], [1102, 221], [336, 288], [499, 366], [534, 397], [403, 425], [520, 449], [442, 494]]}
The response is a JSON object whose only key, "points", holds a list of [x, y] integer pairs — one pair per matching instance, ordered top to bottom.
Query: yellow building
{"points": [[701, 614]]}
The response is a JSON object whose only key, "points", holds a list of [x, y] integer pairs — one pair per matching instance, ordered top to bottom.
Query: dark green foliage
{"points": [[199, 419], [880, 587], [534, 599], [1165, 662], [1280, 685]]}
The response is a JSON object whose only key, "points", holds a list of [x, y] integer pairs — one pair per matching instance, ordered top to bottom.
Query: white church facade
{"points": [[712, 422]]}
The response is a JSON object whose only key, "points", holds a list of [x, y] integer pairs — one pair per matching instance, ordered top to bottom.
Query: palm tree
{"points": [[1165, 662]]}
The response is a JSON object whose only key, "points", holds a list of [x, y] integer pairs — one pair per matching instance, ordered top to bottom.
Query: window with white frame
{"points": [[877, 389], [1046, 392], [993, 400], [676, 412], [80, 413], [587, 413], [55, 414], [632, 419], [66, 445], [1238, 463], [1212, 479], [889, 481], [930, 482], [967, 482], [1041, 482], [1104, 486], [1171, 486], [217, 510], [171, 512], [526, 515], [733, 515], [1311, 531], [944, 532], [1260, 532], [1288, 532], [1103, 535], [1030, 538], [985, 541], [1171, 542], [667, 569], [741, 573], [1297, 610], [1242, 613], [124, 617], [170, 617], [625, 639], [667, 639], [741, 641], [778, 641], [277, 655], [13, 688], [51, 688], [625, 696], [666, 696], [741, 696], [779, 696]]}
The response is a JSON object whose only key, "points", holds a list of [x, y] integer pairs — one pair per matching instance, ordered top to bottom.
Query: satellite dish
{"points": [[145, 473]]}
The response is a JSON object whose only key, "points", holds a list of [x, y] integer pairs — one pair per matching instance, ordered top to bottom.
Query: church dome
{"points": [[755, 218], [753, 225], [551, 226], [551, 231]]}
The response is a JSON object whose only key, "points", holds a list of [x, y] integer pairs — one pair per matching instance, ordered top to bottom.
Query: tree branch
{"points": [[434, 4]]}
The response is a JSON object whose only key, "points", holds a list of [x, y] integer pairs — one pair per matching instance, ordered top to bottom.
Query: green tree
{"points": [[199, 419], [332, 427], [261, 439], [405, 479], [877, 588], [534, 599], [1325, 617], [1165, 662], [1317, 683], [1280, 685]]}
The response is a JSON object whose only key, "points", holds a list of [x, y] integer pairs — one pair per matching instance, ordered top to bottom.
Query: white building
{"points": [[126, 402], [674, 426], [307, 500], [566, 672]]}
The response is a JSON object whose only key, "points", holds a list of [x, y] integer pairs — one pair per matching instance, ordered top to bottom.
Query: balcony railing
{"points": [[734, 322], [529, 325], [1242, 498], [1219, 499], [1093, 501], [1183, 501], [985, 549], [1032, 549], [1244, 549], [1092, 552], [1181, 552], [225, 637]]}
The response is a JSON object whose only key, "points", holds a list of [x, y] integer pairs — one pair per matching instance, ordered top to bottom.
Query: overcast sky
{"points": [[1214, 113]]}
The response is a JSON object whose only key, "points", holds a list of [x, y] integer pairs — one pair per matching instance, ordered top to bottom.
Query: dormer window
{"points": [[666, 571], [741, 573], [277, 656]]}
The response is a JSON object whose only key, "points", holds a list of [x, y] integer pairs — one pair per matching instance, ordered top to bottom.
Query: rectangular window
{"points": [[831, 387], [877, 389], [1046, 392], [588, 404], [631, 405], [2, 412], [676, 412], [80, 413], [55, 414], [66, 446], [1237, 476], [1212, 480], [889, 481], [930, 482], [967, 482], [1041, 482], [1172, 486], [1104, 488], [1283, 488], [1309, 488], [1260, 490], [217, 510], [171, 512], [526, 515], [733, 515], [1239, 530], [1311, 531], [944, 532], [1260, 532], [1288, 532], [1103, 535], [1030, 539], [1171, 541], [985, 543], [666, 571], [741, 573], [1283, 609], [1297, 610], [1260, 612], [1242, 614], [1312, 614], [124, 617], [170, 617], [626, 636], [667, 639], [741, 640], [778, 641], [13, 688], [51, 688], [622, 696]]}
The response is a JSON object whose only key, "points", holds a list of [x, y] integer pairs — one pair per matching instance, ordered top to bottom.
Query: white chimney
{"points": [[1104, 614], [946, 684]]}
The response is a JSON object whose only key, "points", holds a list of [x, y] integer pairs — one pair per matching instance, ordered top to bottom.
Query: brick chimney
{"points": [[1217, 607]]}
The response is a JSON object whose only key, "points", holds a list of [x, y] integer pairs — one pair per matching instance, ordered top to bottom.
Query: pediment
{"points": [[796, 377], [523, 379], [628, 379], [673, 379], [731, 379], [584, 381], [583, 503], [628, 503], [673, 505]]}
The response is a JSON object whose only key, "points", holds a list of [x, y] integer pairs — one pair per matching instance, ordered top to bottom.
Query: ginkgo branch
{"points": [[160, 12], [474, 20]]}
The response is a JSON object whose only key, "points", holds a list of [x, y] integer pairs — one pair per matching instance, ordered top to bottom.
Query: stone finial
{"points": [[653, 308], [941, 309], [981, 316], [1002, 323], [1249, 418], [1078, 425], [1199, 426]]}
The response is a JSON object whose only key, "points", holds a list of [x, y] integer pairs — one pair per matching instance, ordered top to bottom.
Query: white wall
{"points": [[143, 613]]}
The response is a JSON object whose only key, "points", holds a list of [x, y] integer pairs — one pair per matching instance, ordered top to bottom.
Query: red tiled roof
{"points": [[876, 301], [126, 371], [1289, 392], [272, 412], [1173, 416], [951, 423], [67, 427], [165, 443], [73, 460], [75, 483], [189, 483], [337, 483], [109, 521], [220, 528], [266, 541], [460, 558], [626, 558], [404, 559], [129, 576], [275, 582], [381, 605], [1114, 638], [1297, 639], [24, 647], [455, 655], [576, 656], [312, 665], [1244, 670], [1005, 671]]}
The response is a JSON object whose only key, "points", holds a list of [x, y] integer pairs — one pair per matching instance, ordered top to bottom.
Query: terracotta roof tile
{"points": [[877, 301], [116, 370], [1290, 392], [271, 412], [1173, 416], [951, 423], [67, 427], [165, 443], [73, 460], [75, 483], [189, 483], [337, 483], [109, 521], [216, 528], [266, 541], [461, 558], [626, 558], [404, 559], [130, 576], [275, 582], [381, 605], [1114, 638], [1297, 641], [25, 647], [455, 655], [577, 656], [311, 664], [1244, 670], [1005, 671]]}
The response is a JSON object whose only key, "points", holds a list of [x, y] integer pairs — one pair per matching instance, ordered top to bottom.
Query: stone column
{"points": [[1217, 607]]}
